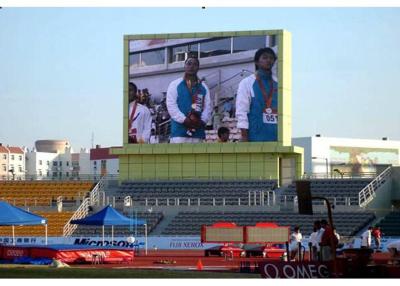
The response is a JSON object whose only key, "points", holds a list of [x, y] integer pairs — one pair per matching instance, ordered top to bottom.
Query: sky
{"points": [[61, 69]]}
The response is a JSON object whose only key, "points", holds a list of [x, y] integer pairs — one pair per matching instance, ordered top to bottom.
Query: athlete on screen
{"points": [[257, 101], [189, 105]]}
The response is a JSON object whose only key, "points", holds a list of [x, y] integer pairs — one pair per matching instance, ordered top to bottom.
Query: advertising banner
{"points": [[156, 242], [294, 270]]}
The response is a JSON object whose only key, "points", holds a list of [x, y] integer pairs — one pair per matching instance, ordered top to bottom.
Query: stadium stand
{"points": [[342, 191], [194, 192], [42, 193], [184, 205], [152, 220], [189, 223], [55, 224], [390, 224]]}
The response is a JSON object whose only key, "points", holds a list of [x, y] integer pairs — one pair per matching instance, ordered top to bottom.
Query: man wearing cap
{"points": [[189, 105]]}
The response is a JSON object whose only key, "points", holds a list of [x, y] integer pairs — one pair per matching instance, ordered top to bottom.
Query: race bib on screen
{"points": [[270, 118]]}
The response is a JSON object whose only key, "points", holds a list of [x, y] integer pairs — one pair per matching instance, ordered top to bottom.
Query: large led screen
{"points": [[210, 89]]}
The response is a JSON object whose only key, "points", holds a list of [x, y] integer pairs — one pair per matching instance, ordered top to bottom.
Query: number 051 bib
{"points": [[270, 117]]}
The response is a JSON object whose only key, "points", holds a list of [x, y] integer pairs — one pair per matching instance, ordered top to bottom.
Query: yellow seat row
{"points": [[55, 222]]}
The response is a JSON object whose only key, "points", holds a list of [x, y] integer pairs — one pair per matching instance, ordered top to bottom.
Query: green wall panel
{"points": [[214, 148], [146, 149], [256, 157], [161, 158], [188, 158], [202, 158], [215, 158], [229, 158], [242, 158], [149, 159], [174, 159], [248, 163], [189, 167], [216, 169], [257, 169], [149, 170], [162, 170], [202, 170], [229, 170], [243, 170], [136, 171]]}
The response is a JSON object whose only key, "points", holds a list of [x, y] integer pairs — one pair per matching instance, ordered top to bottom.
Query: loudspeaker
{"points": [[304, 199]]}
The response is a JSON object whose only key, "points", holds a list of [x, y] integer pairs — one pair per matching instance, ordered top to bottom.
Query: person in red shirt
{"points": [[377, 234], [328, 240]]}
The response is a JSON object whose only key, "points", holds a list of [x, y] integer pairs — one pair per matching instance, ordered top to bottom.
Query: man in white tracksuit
{"points": [[257, 101], [189, 105]]}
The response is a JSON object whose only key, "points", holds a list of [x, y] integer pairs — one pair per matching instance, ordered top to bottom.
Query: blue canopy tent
{"points": [[11, 215], [110, 216]]}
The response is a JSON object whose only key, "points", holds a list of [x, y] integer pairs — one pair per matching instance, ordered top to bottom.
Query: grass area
{"points": [[46, 272]]}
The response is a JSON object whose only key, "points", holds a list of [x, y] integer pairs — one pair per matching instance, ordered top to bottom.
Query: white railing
{"points": [[335, 175], [94, 194], [367, 194], [254, 198], [261, 198], [289, 200], [83, 209], [81, 212]]}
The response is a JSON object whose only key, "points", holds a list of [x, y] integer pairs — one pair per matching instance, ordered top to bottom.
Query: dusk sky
{"points": [[61, 68]]}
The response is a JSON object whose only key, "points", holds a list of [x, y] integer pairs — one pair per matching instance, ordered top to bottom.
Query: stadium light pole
{"points": [[326, 162]]}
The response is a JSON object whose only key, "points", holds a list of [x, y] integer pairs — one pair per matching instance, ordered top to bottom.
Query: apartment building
{"points": [[56, 159], [102, 162], [12, 163]]}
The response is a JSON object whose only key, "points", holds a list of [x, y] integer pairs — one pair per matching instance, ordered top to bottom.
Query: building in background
{"points": [[323, 156], [329, 156], [55, 159], [12, 163], [102, 163], [40, 164]]}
